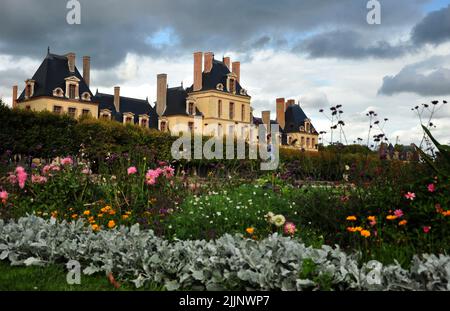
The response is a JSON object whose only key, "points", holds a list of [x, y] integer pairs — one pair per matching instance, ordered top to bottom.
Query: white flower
{"points": [[347, 168], [219, 214], [269, 217], [279, 220]]}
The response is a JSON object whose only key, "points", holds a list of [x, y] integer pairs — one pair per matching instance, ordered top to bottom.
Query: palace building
{"points": [[215, 104]]}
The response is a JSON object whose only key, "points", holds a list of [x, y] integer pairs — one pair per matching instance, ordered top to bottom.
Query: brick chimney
{"points": [[209, 56], [198, 59], [71, 61], [227, 62], [87, 69], [237, 70], [161, 93], [14, 97], [117, 98], [290, 102], [281, 108], [266, 119]]}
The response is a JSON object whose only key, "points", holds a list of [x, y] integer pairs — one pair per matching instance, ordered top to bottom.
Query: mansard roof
{"points": [[51, 74], [176, 102], [295, 117]]}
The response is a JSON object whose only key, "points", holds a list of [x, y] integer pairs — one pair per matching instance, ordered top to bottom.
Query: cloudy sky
{"points": [[319, 52]]}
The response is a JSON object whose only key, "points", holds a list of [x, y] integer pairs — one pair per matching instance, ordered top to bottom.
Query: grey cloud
{"points": [[434, 28], [111, 29], [417, 79], [315, 100]]}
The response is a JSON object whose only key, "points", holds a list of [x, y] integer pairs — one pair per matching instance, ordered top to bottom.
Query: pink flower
{"points": [[67, 161], [46, 169], [132, 170], [86, 171], [168, 172], [152, 175], [21, 176], [12, 179], [36, 179], [431, 188], [3, 196], [410, 196], [398, 213], [289, 228], [426, 229]]}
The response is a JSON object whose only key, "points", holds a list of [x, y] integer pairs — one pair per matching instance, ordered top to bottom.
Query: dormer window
{"points": [[232, 85], [72, 87], [219, 87], [29, 88], [72, 90], [58, 92], [243, 92], [86, 96], [191, 108], [105, 114], [128, 118], [143, 120]]}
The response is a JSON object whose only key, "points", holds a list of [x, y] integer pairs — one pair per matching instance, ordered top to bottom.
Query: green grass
{"points": [[53, 278]]}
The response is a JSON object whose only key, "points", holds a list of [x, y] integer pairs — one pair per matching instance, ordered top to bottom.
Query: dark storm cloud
{"points": [[434, 28], [111, 29], [349, 44], [427, 78]]}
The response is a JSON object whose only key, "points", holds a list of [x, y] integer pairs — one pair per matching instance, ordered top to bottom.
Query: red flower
{"points": [[431, 188], [426, 229]]}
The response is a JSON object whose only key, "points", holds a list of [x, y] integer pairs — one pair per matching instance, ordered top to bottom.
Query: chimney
{"points": [[209, 56], [198, 59], [71, 61], [227, 62], [87, 69], [237, 70], [161, 93], [14, 97], [117, 98], [290, 102], [281, 108], [266, 119]]}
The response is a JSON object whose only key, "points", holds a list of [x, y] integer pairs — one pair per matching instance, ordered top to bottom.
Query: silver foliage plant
{"points": [[228, 263]]}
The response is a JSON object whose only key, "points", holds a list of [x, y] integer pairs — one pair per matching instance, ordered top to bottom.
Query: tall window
{"points": [[232, 86], [72, 89], [28, 90], [191, 108], [57, 109], [219, 109], [231, 111], [72, 112], [85, 112], [243, 112], [106, 116], [128, 120], [144, 123], [163, 126], [191, 126], [308, 127], [231, 130], [302, 141], [307, 142], [313, 143]]}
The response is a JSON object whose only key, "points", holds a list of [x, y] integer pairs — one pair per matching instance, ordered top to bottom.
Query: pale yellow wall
{"points": [[47, 103], [298, 144]]}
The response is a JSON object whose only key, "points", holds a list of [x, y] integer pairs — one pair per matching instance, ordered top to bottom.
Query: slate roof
{"points": [[52, 74], [218, 74], [176, 102], [127, 104], [295, 118]]}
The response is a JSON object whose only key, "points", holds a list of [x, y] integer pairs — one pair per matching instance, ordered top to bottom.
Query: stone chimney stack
{"points": [[209, 56], [198, 60], [71, 61], [227, 62], [87, 69], [237, 70], [161, 93], [14, 96], [117, 98], [290, 102], [281, 109], [266, 119]]}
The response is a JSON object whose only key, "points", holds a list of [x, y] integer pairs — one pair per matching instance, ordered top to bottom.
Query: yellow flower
{"points": [[105, 209], [87, 213], [128, 213], [74, 216], [124, 217], [391, 217], [351, 218], [371, 218], [403, 222], [111, 224], [95, 227], [359, 229], [250, 230], [365, 233]]}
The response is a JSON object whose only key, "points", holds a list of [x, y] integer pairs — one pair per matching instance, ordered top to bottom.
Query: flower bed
{"points": [[230, 262]]}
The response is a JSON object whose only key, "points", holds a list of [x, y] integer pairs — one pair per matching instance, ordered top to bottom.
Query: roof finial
{"points": [[48, 50], [181, 83]]}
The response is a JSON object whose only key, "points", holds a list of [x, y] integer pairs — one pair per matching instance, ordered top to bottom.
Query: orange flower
{"points": [[112, 212], [87, 213], [446, 213], [54, 214], [100, 215], [74, 216], [124, 217], [391, 217], [351, 218], [371, 218], [91, 219], [403, 223], [111, 224], [95, 227], [354, 229], [359, 229], [250, 230], [365, 233]]}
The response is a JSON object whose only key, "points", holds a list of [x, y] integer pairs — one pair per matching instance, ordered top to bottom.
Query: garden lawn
{"points": [[53, 278]]}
